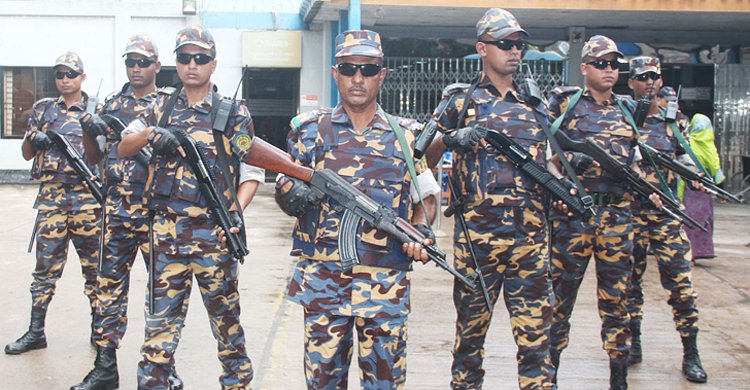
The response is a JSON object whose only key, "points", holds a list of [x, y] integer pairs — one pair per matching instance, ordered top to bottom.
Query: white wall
{"points": [[35, 32]]}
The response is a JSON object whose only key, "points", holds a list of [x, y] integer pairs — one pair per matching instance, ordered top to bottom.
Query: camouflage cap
{"points": [[498, 23], [194, 35], [358, 43], [141, 44], [599, 45], [71, 60], [641, 65], [667, 93]]}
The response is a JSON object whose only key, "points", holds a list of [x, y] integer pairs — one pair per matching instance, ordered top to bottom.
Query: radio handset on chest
{"points": [[93, 102], [672, 107]]}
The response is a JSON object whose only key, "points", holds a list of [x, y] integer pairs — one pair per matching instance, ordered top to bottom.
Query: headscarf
{"points": [[702, 142]]}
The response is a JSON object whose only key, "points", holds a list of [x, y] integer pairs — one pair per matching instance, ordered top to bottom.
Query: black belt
{"points": [[604, 198]]}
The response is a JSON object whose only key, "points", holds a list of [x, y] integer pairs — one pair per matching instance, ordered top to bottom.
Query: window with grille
{"points": [[22, 86]]}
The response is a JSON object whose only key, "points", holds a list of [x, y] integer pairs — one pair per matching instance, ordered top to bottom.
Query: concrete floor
{"points": [[274, 327]]}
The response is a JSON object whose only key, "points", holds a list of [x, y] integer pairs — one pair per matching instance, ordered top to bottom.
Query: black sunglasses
{"points": [[507, 44], [200, 58], [141, 62], [602, 64], [368, 70], [71, 74], [648, 75]]}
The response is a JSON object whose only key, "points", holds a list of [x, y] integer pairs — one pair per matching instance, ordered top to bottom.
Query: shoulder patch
{"points": [[455, 88], [306, 117], [242, 141]]}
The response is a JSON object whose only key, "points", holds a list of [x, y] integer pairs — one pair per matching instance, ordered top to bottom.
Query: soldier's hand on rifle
{"points": [[93, 125], [464, 139], [39, 140], [163, 142], [696, 185], [294, 196], [656, 199], [559, 204], [238, 227], [415, 250]]}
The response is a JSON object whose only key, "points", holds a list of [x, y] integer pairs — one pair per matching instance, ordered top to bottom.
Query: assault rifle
{"points": [[144, 155], [663, 160], [76, 161], [525, 162], [628, 176], [207, 182], [356, 204]]}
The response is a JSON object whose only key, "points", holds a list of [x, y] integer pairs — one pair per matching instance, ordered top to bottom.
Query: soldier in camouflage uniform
{"points": [[357, 140], [67, 210], [505, 211], [126, 224], [661, 232], [608, 235], [185, 238]]}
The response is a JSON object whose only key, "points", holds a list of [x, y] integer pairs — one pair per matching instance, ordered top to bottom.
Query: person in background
{"points": [[698, 204]]}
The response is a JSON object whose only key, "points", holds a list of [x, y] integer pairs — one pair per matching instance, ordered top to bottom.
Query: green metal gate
{"points": [[414, 85]]}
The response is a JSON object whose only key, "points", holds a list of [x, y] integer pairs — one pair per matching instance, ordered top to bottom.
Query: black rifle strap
{"points": [[164, 120], [219, 124], [587, 200]]}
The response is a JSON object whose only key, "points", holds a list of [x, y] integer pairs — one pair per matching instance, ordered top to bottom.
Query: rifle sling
{"points": [[629, 117], [219, 124], [686, 145], [587, 200]]}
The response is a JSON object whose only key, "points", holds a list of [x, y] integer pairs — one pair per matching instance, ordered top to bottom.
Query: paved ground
{"points": [[274, 326]]}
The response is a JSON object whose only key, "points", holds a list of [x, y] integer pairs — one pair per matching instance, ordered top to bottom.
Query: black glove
{"points": [[94, 126], [464, 139], [39, 140], [164, 142], [580, 162], [298, 200], [237, 222], [424, 229]]}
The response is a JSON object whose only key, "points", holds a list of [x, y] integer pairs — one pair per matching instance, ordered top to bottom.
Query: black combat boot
{"points": [[34, 338], [636, 353], [691, 361], [104, 376], [618, 376], [175, 382]]}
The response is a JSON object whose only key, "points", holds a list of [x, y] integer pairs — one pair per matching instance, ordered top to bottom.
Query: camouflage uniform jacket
{"points": [[604, 124], [657, 133], [371, 160], [124, 178], [490, 179], [61, 187], [172, 188]]}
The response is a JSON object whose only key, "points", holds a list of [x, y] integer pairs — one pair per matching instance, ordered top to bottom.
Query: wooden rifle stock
{"points": [[266, 156]]}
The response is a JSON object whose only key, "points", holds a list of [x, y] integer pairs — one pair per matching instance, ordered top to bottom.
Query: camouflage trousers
{"points": [[56, 230], [608, 236], [122, 238], [512, 251], [673, 257], [216, 275], [328, 351]]}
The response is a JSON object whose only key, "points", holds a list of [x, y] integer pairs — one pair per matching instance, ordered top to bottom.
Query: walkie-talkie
{"points": [[92, 102], [672, 107], [641, 110]]}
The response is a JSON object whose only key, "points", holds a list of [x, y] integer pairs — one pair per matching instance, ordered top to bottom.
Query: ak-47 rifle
{"points": [[76, 161], [665, 161], [525, 162], [627, 175], [208, 188], [357, 205]]}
